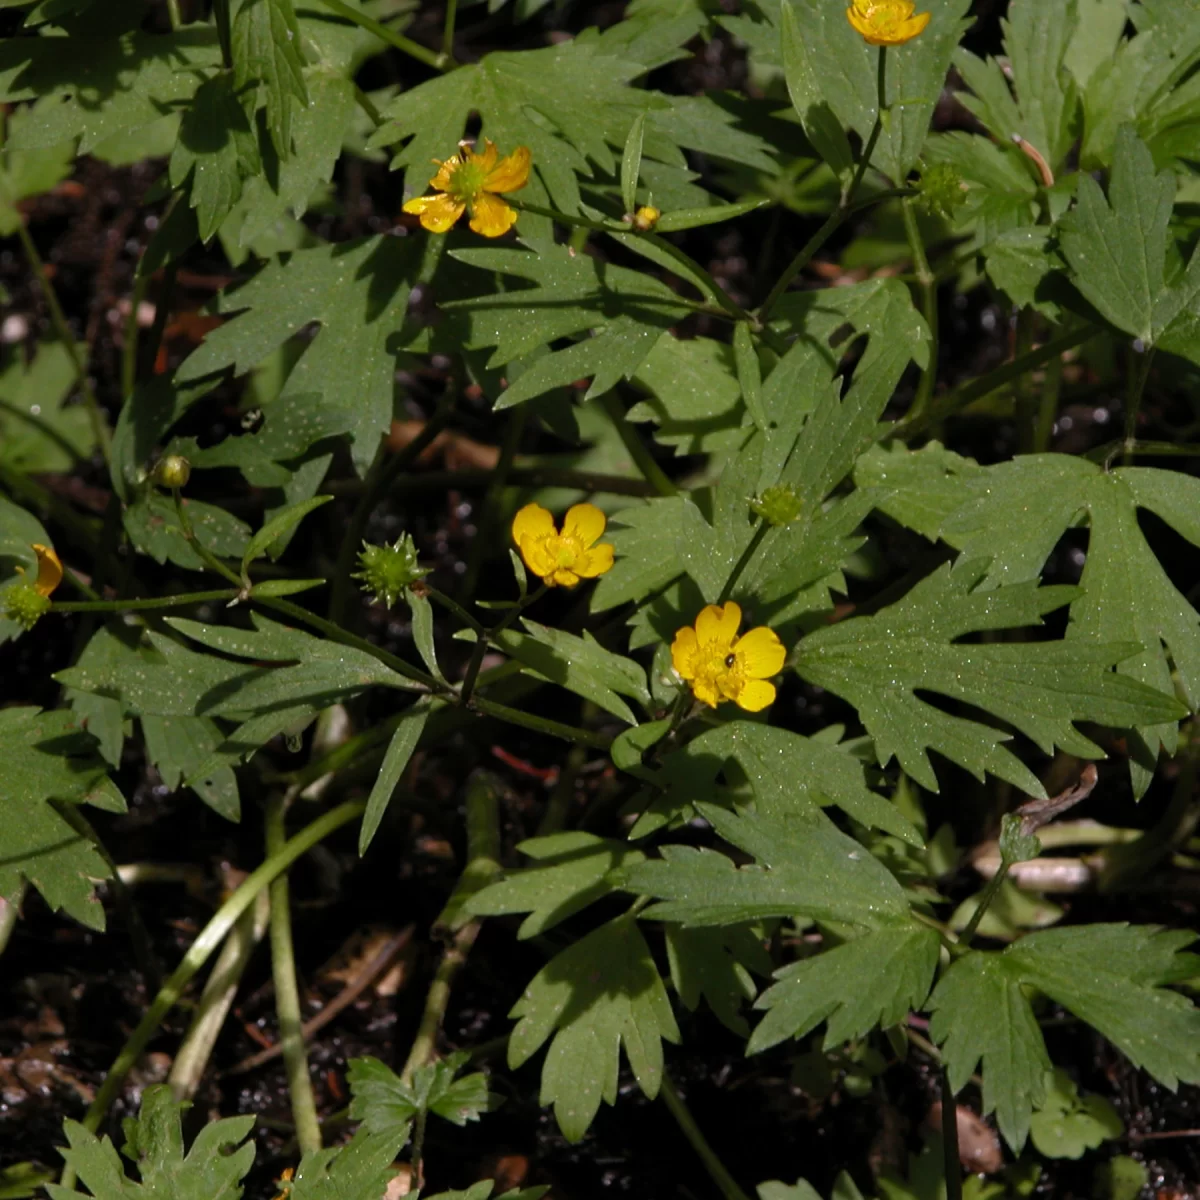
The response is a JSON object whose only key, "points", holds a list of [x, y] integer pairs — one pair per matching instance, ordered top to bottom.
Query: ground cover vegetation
{"points": [[676, 520]]}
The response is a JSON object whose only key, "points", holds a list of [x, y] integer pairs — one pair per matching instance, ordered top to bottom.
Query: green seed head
{"points": [[941, 190], [778, 505], [387, 571], [24, 604]]}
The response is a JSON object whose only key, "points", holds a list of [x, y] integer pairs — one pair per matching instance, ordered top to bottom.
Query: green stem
{"points": [[173, 14], [221, 16], [448, 30], [439, 62], [845, 207], [692, 270], [927, 286], [58, 319], [1138, 377], [966, 394], [1025, 407], [1048, 409], [654, 475], [379, 480], [491, 507], [206, 556], [741, 564], [440, 597], [144, 605], [338, 634], [481, 644], [516, 716], [483, 865], [985, 901], [200, 951], [287, 993], [196, 1049], [951, 1163], [717, 1172]]}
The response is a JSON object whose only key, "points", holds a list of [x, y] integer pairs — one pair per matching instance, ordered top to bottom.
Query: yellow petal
{"points": [[858, 18], [915, 25], [487, 160], [511, 172], [441, 181], [438, 213], [491, 216], [533, 521], [584, 522], [533, 551], [595, 561], [50, 570], [564, 576], [719, 624], [684, 650], [760, 653], [705, 691], [755, 695]]}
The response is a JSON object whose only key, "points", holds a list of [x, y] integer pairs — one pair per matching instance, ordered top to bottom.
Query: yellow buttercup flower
{"points": [[886, 22], [471, 181], [567, 557], [722, 666]]}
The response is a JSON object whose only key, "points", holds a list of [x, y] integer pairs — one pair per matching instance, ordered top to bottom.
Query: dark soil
{"points": [[69, 998]]}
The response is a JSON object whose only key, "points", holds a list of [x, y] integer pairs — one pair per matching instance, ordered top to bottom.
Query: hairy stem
{"points": [[654, 475], [145, 605]]}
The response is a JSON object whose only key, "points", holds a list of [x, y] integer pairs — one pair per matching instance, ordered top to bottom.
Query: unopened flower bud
{"points": [[646, 218], [174, 471]]}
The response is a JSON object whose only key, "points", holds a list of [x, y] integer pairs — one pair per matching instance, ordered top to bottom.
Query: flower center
{"points": [[466, 181], [564, 550]]}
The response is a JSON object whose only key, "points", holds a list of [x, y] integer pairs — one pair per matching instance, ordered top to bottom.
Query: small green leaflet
{"points": [[266, 47], [842, 72], [95, 88], [1043, 110], [217, 149], [26, 173], [1117, 250], [358, 292], [572, 295], [39, 432], [1015, 513], [879, 663], [581, 665], [48, 757], [396, 758], [791, 776], [803, 865], [571, 871], [715, 964], [1110, 976], [875, 980], [600, 994], [387, 1106], [1067, 1124], [362, 1167], [213, 1169]]}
